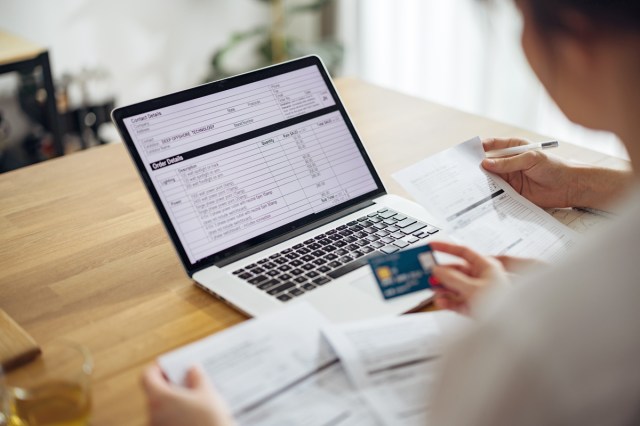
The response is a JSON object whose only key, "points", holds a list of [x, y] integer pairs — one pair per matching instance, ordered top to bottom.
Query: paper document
{"points": [[480, 209], [394, 361], [276, 370]]}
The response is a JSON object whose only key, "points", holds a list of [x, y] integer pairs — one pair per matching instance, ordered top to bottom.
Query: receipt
{"points": [[480, 209]]}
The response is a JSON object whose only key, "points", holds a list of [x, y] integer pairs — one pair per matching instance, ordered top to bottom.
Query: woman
{"points": [[562, 346]]}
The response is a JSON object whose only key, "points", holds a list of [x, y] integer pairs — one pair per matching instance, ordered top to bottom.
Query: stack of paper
{"points": [[295, 368]]}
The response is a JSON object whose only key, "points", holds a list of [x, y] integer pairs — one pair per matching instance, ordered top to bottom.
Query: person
{"points": [[559, 346]]}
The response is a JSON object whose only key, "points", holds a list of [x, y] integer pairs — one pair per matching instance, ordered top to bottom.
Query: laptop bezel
{"points": [[118, 116]]}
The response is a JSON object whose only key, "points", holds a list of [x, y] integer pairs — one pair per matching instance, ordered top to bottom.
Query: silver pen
{"points": [[514, 150]]}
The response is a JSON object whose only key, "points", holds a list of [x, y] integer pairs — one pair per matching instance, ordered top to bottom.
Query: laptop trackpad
{"points": [[363, 280]]}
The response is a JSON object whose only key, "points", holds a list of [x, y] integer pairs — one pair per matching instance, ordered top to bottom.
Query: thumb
{"points": [[516, 163], [196, 378]]}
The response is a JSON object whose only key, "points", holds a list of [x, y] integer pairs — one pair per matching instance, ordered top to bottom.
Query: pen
{"points": [[520, 149]]}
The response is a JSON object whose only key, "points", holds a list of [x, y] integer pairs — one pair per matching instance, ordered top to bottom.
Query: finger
{"points": [[489, 144], [517, 163], [471, 256], [454, 280], [196, 378], [154, 382]]}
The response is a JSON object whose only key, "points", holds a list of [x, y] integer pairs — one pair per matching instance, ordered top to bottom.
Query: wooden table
{"points": [[83, 254]]}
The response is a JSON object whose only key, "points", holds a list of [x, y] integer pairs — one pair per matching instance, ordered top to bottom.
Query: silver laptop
{"points": [[268, 193]]}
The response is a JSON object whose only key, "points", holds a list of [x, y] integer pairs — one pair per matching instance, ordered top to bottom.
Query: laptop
{"points": [[268, 193]]}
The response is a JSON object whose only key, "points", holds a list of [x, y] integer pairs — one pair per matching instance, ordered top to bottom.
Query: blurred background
{"points": [[461, 53]]}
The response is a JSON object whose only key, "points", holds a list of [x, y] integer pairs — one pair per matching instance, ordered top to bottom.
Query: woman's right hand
{"points": [[543, 179]]}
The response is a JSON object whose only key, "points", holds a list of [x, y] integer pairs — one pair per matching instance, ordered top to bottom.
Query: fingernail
{"points": [[434, 281]]}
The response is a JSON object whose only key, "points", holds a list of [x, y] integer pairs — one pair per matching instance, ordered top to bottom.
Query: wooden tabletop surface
{"points": [[83, 254]]}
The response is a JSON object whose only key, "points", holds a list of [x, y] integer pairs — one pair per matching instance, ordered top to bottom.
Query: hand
{"points": [[543, 179], [457, 286], [196, 404]]}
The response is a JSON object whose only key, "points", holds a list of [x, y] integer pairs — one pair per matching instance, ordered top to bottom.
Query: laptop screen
{"points": [[243, 162]]}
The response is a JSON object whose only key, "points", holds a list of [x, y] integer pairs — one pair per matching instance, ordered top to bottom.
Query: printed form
{"points": [[480, 209], [394, 361], [293, 367], [276, 370]]}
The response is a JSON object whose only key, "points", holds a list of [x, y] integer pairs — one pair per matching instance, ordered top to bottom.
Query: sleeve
{"points": [[488, 381]]}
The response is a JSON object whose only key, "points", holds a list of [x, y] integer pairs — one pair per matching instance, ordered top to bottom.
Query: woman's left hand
{"points": [[457, 286]]}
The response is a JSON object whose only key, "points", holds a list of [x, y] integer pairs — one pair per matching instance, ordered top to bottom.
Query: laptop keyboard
{"points": [[316, 261]]}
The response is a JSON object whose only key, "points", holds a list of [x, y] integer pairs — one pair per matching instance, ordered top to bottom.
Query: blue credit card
{"points": [[403, 272]]}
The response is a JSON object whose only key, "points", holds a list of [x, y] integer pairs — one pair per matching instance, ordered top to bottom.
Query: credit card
{"points": [[403, 272]]}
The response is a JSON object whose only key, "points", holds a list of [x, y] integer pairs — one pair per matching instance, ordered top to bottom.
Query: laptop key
{"points": [[382, 210], [386, 214], [399, 217], [362, 219], [375, 220], [406, 222], [352, 223], [380, 225], [341, 227], [356, 228], [392, 228], [413, 228], [433, 231], [331, 232], [381, 233], [397, 235], [320, 237], [335, 237], [372, 238], [412, 239], [387, 240], [340, 243], [363, 243], [401, 243], [376, 244], [298, 246], [315, 246], [352, 247], [330, 248], [368, 249], [389, 249], [285, 251], [303, 251], [340, 252], [318, 253], [357, 254], [273, 256], [292, 256], [331, 256], [308, 258], [346, 259], [280, 260], [262, 261], [319, 261], [296, 263], [334, 264], [250, 266], [308, 267], [350, 267], [284, 268], [324, 269], [257, 271], [238, 272], [296, 272], [273, 273], [312, 274], [245, 276], [285, 277], [258, 279], [300, 280], [321, 281], [268, 284], [308, 286], [281, 288], [296, 291], [284, 298]]}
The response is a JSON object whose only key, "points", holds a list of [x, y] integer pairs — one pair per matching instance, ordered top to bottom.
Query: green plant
{"points": [[275, 43]]}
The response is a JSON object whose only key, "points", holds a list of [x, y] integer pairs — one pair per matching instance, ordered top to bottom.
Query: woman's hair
{"points": [[555, 15]]}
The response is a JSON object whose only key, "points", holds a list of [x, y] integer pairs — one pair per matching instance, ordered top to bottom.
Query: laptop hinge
{"points": [[292, 234]]}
